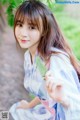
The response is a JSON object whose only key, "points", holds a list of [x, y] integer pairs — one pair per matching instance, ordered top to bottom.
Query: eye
{"points": [[19, 24], [31, 27]]}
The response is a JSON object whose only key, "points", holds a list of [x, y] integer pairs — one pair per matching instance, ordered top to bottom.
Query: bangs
{"points": [[28, 13]]}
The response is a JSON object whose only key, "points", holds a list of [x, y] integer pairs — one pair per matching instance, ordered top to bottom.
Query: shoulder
{"points": [[59, 51], [59, 55], [59, 60], [61, 65]]}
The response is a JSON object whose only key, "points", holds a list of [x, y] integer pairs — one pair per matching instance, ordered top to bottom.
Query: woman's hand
{"points": [[55, 88], [23, 105]]}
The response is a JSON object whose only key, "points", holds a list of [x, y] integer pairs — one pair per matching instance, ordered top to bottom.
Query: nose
{"points": [[24, 32]]}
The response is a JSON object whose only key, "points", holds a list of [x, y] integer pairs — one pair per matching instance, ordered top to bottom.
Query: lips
{"points": [[24, 41]]}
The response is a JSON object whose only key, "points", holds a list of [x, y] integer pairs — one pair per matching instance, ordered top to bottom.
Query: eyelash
{"points": [[19, 24], [31, 27]]}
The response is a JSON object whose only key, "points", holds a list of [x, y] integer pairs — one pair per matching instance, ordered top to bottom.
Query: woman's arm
{"points": [[34, 102], [26, 105]]}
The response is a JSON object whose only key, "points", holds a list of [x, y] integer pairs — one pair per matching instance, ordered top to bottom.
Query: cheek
{"points": [[16, 32], [37, 35]]}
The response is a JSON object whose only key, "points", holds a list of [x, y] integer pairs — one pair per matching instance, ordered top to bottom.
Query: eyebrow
{"points": [[19, 21]]}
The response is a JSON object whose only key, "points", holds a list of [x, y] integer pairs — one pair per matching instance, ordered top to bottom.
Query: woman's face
{"points": [[28, 35]]}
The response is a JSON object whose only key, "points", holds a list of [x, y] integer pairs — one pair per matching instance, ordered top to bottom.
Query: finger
{"points": [[49, 73], [49, 77], [51, 81], [48, 82], [50, 86], [57, 87], [49, 90]]}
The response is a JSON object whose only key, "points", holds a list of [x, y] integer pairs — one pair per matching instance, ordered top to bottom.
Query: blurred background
{"points": [[11, 57]]}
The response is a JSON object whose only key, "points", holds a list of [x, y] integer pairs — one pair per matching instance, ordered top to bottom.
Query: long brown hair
{"points": [[32, 10]]}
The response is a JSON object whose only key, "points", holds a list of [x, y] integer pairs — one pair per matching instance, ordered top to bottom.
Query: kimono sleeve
{"points": [[63, 70]]}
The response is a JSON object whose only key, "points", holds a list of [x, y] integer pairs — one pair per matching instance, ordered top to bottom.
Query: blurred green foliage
{"points": [[11, 6], [70, 27]]}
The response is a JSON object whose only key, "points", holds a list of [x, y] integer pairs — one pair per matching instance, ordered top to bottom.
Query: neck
{"points": [[32, 51]]}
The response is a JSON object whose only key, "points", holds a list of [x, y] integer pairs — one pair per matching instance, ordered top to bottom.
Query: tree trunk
{"points": [[2, 18]]}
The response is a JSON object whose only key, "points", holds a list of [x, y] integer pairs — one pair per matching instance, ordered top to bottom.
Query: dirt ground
{"points": [[11, 71]]}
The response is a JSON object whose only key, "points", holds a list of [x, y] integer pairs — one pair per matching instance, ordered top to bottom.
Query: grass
{"points": [[71, 29]]}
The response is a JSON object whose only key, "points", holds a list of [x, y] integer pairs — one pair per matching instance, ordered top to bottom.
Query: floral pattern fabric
{"points": [[34, 83]]}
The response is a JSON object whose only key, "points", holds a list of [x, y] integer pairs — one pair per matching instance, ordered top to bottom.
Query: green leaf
{"points": [[4, 1], [50, 4], [9, 9], [10, 19], [41, 66]]}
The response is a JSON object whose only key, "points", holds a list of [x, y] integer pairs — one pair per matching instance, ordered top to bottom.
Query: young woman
{"points": [[57, 95]]}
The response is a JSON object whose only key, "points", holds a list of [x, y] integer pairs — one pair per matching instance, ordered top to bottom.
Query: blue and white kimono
{"points": [[33, 82]]}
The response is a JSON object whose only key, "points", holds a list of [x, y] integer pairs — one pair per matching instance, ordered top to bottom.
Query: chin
{"points": [[24, 47]]}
